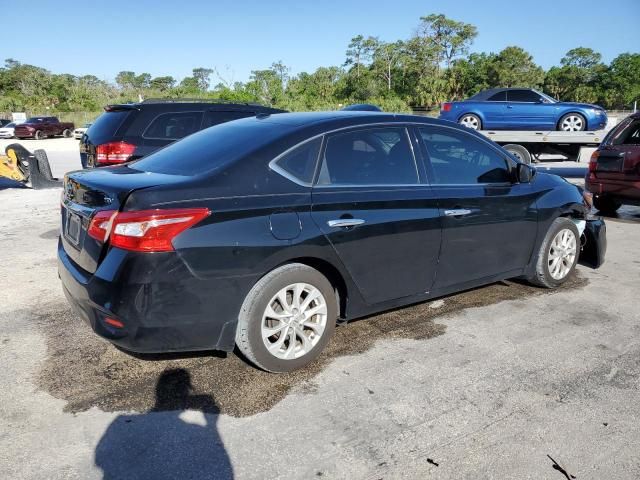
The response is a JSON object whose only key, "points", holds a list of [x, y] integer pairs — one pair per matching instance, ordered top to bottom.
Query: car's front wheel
{"points": [[471, 121], [572, 122], [558, 254], [287, 318]]}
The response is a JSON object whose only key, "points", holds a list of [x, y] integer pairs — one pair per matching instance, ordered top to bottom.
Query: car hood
{"points": [[579, 105]]}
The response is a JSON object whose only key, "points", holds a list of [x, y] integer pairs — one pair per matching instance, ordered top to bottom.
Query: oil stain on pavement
{"points": [[89, 372]]}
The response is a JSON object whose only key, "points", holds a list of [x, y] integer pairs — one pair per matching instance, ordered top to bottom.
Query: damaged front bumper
{"points": [[594, 242]]}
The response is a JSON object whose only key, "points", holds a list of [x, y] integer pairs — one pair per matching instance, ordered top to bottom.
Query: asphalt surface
{"points": [[497, 382]]}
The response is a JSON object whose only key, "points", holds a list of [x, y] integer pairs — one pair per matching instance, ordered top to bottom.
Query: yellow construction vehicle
{"points": [[20, 165], [12, 166]]}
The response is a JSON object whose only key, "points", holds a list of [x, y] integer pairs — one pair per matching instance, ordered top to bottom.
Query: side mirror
{"points": [[525, 173]]}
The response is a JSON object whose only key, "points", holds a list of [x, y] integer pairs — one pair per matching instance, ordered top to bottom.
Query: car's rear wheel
{"points": [[471, 121], [572, 122], [66, 133], [518, 151], [606, 204], [558, 254], [287, 318]]}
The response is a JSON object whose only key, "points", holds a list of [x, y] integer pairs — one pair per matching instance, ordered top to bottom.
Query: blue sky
{"points": [[171, 37]]}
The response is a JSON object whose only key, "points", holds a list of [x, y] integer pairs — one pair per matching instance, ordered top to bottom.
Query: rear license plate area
{"points": [[609, 164], [73, 227]]}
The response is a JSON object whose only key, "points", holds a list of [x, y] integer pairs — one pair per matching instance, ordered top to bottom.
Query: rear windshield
{"points": [[107, 124], [212, 148]]}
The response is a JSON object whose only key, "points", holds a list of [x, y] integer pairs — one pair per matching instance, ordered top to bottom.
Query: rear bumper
{"points": [[624, 191], [594, 245], [163, 307]]}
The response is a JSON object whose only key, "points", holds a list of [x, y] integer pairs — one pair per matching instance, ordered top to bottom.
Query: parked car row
{"points": [[523, 109], [262, 232]]}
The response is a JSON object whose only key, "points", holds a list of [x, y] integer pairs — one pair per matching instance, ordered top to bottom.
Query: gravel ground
{"points": [[483, 384]]}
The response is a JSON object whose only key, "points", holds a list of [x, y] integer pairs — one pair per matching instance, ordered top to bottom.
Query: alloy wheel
{"points": [[470, 121], [572, 123], [562, 254], [294, 321]]}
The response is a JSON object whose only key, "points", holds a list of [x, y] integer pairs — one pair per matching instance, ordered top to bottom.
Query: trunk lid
{"points": [[87, 192]]}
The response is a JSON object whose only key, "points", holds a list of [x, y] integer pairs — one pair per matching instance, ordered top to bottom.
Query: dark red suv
{"points": [[614, 170]]}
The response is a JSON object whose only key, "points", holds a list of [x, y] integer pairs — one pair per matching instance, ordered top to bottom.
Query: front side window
{"points": [[523, 96], [171, 126], [376, 156], [457, 158], [300, 163]]}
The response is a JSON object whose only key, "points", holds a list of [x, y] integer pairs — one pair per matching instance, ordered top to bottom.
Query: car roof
{"points": [[180, 104], [355, 117]]}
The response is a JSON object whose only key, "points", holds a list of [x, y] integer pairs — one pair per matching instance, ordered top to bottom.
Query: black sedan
{"points": [[262, 232]]}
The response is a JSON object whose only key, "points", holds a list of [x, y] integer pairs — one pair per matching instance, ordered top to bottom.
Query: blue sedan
{"points": [[523, 109]]}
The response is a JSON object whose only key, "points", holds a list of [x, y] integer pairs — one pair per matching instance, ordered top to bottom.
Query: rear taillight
{"points": [[446, 107], [114, 152], [593, 162], [100, 225], [144, 230]]}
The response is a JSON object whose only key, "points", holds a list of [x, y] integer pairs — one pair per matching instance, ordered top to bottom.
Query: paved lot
{"points": [[483, 384]]}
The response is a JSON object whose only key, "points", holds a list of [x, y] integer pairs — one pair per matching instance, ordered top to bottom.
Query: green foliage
{"points": [[432, 66]]}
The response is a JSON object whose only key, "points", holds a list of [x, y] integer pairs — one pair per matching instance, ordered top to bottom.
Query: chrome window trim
{"points": [[273, 163]]}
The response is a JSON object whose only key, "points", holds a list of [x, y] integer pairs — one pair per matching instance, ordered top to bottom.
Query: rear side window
{"points": [[522, 96], [498, 97], [217, 117], [107, 124], [171, 126], [629, 135], [380, 156], [457, 158], [300, 163]]}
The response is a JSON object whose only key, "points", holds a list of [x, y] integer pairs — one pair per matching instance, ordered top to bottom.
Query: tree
{"points": [[448, 38], [360, 51], [386, 57], [581, 57], [514, 67], [468, 76], [202, 77], [126, 79], [623, 80], [162, 83]]}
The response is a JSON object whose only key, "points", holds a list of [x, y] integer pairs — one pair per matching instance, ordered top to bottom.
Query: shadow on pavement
{"points": [[176, 439]]}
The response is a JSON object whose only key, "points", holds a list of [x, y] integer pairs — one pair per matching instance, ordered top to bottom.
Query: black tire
{"points": [[566, 116], [471, 121], [66, 133], [38, 135], [518, 151], [43, 164], [606, 204], [542, 276], [249, 337]]}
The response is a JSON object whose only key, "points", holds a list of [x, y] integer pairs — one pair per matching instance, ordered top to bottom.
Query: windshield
{"points": [[547, 98], [35, 120], [10, 125]]}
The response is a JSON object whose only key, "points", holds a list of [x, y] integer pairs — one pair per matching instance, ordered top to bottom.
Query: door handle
{"points": [[509, 106], [457, 212], [345, 222]]}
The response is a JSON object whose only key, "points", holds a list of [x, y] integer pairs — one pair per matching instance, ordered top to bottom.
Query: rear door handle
{"points": [[457, 212], [345, 222]]}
